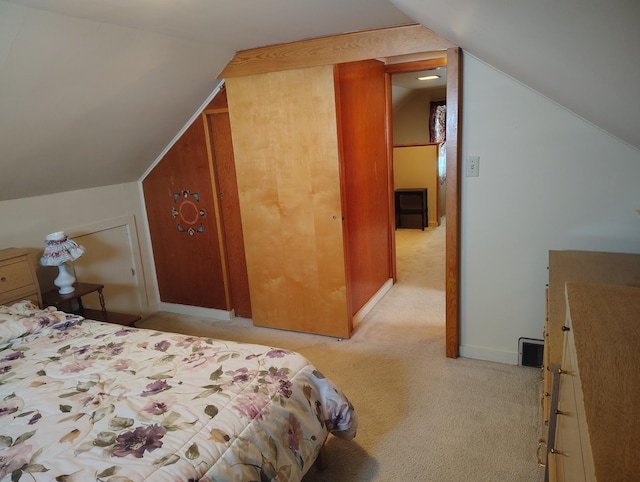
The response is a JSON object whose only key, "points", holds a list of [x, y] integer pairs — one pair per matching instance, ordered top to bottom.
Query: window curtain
{"points": [[438, 121]]}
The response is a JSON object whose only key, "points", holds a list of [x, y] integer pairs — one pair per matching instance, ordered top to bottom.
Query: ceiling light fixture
{"points": [[429, 77]]}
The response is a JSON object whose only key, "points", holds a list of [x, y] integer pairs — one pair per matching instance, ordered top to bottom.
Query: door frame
{"points": [[452, 196]]}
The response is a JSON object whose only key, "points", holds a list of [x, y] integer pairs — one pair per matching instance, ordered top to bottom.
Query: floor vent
{"points": [[530, 352]]}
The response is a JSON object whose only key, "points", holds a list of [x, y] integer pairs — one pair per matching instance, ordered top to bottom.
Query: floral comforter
{"points": [[83, 400]]}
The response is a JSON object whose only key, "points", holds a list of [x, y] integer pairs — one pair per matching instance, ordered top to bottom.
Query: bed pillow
{"points": [[24, 317]]}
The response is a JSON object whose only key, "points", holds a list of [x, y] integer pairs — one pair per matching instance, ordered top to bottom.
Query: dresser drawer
{"points": [[14, 276]]}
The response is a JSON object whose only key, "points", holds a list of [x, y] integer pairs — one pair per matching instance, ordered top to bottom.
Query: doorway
{"points": [[451, 62]]}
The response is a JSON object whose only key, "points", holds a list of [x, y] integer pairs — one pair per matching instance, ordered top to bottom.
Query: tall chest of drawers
{"points": [[17, 277], [588, 332], [595, 416]]}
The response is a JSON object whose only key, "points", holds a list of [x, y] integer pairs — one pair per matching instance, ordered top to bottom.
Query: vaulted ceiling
{"points": [[91, 91]]}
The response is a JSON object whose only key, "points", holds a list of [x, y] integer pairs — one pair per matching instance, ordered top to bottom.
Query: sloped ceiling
{"points": [[582, 54], [92, 91]]}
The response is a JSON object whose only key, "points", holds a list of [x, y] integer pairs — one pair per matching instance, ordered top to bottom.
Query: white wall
{"points": [[411, 116], [548, 180], [27, 221]]}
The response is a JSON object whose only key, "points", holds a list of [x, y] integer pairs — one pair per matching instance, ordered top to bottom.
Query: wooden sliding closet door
{"points": [[286, 151], [366, 177]]}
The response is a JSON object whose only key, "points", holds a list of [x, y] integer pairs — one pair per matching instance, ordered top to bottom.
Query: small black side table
{"points": [[411, 201], [53, 298]]}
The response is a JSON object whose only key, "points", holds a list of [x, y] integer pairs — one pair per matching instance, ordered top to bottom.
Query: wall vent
{"points": [[530, 352]]}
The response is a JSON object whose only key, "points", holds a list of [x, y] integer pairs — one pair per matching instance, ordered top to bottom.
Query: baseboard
{"points": [[368, 306], [196, 311], [230, 315], [477, 353]]}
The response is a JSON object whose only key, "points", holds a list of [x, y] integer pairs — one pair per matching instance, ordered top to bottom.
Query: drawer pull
{"points": [[3, 279], [566, 328], [564, 372], [559, 412], [541, 443], [557, 452]]}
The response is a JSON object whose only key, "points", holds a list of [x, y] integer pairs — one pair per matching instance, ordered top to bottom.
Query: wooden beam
{"points": [[349, 47], [452, 203]]}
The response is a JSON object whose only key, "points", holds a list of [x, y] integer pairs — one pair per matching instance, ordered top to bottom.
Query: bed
{"points": [[83, 400]]}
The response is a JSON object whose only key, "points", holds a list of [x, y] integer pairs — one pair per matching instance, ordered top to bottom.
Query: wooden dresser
{"points": [[17, 277], [591, 366]]}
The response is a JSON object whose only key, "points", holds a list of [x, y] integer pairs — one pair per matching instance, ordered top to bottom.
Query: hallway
{"points": [[420, 290]]}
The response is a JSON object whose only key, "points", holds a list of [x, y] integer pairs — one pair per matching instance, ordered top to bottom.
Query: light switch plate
{"points": [[473, 166]]}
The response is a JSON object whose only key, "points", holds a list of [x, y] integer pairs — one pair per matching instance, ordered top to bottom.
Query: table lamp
{"points": [[60, 251]]}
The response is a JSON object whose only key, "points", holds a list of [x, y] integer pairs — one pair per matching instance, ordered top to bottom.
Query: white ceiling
{"points": [[233, 25], [582, 54], [410, 80], [403, 85], [92, 91]]}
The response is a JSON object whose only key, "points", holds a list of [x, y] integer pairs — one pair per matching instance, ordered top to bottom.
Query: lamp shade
{"points": [[60, 249]]}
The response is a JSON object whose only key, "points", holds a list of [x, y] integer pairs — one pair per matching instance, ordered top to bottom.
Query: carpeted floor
{"points": [[422, 417]]}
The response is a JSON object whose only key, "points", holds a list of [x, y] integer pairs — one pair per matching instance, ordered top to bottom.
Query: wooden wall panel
{"points": [[218, 103], [285, 146], [366, 197], [188, 266]]}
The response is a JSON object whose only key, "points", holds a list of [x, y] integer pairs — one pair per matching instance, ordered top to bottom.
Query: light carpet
{"points": [[422, 416]]}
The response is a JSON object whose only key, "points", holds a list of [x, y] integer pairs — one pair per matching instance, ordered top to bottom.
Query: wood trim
{"points": [[349, 47], [426, 64], [224, 110], [219, 128], [418, 144], [390, 187], [452, 203], [216, 207]]}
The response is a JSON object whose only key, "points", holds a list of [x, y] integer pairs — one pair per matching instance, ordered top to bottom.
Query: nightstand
{"points": [[414, 202], [17, 277], [53, 298]]}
